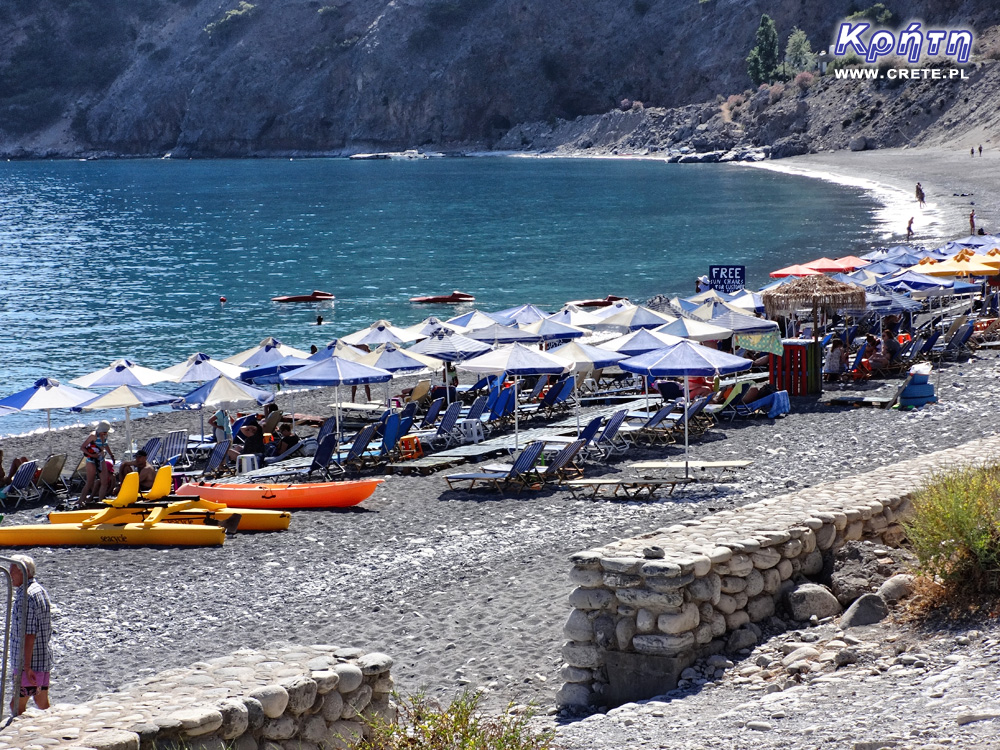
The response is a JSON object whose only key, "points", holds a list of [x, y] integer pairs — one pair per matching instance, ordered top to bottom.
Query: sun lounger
{"points": [[650, 430], [447, 431], [608, 442], [174, 449], [214, 465], [716, 468], [516, 474], [50, 481], [22, 486], [630, 489]]}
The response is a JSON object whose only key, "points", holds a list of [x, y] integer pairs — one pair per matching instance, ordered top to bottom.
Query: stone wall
{"points": [[646, 608], [298, 698]]}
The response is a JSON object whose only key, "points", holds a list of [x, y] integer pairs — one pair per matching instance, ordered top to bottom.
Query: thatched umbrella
{"points": [[813, 292]]}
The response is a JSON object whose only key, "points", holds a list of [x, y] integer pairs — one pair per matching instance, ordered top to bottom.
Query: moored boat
{"points": [[314, 296], [452, 298], [605, 302], [284, 496], [111, 535]]}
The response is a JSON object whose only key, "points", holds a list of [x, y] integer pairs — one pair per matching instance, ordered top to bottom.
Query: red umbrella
{"points": [[852, 262], [828, 265], [794, 271]]}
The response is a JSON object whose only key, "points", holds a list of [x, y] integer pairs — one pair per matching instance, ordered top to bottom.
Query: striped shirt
{"points": [[39, 625]]}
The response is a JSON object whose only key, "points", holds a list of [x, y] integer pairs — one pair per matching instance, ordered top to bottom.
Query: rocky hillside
{"points": [[242, 77]]}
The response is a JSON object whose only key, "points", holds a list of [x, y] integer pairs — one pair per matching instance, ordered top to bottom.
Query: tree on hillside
{"points": [[798, 52], [763, 58]]}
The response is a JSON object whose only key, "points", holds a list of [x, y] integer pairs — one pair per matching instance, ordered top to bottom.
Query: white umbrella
{"points": [[613, 309], [575, 316], [427, 326], [695, 330], [379, 332], [267, 351], [584, 358], [517, 360], [200, 367], [120, 372], [125, 397]]}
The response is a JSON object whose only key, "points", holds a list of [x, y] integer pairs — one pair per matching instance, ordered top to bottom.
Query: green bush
{"points": [[242, 11], [877, 13], [955, 531], [423, 725]]}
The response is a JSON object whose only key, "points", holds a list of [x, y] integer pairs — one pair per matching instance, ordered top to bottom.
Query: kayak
{"points": [[315, 296], [445, 299], [606, 302], [284, 496], [247, 520], [111, 535]]}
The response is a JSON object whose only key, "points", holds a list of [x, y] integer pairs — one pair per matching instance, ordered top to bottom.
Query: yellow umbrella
{"points": [[987, 260], [955, 267]]}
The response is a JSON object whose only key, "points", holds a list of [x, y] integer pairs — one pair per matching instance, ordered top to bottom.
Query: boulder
{"points": [[898, 587], [809, 599], [867, 610]]}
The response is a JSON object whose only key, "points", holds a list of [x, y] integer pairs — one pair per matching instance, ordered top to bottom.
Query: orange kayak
{"points": [[315, 296], [445, 299], [284, 496]]}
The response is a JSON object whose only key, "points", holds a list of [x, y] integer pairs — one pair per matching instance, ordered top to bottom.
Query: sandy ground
{"points": [[892, 175]]}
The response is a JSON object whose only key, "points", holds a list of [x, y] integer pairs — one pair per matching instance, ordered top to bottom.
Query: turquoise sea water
{"points": [[105, 259]]}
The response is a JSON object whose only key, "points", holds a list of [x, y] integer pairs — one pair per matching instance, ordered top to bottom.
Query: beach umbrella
{"points": [[851, 262], [827, 265], [882, 267], [960, 267], [795, 270], [914, 281], [815, 293], [709, 295], [747, 300], [712, 309], [606, 312], [524, 314], [572, 315], [636, 317], [470, 321], [738, 323], [430, 325], [548, 329], [695, 330], [379, 332], [499, 334], [639, 342], [449, 347], [337, 348], [267, 351], [390, 357], [585, 358], [517, 360], [685, 360], [199, 368], [120, 372], [336, 372], [268, 374], [222, 389], [46, 394], [126, 397]]}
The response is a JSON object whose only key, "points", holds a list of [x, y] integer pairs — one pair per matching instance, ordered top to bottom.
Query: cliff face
{"points": [[232, 78]]}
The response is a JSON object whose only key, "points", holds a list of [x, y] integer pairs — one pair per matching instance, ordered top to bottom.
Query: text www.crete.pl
{"points": [[902, 74]]}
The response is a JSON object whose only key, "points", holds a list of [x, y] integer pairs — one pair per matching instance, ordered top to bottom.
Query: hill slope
{"points": [[238, 78]]}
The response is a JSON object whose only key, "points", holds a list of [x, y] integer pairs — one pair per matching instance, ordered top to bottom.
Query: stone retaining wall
{"points": [[646, 608], [299, 698]]}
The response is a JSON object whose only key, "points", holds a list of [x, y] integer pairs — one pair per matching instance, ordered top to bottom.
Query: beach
{"points": [[468, 590]]}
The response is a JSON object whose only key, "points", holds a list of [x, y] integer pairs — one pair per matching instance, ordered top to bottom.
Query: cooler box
{"points": [[919, 391]]}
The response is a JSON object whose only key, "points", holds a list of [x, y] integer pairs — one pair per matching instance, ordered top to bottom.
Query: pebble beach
{"points": [[468, 590]]}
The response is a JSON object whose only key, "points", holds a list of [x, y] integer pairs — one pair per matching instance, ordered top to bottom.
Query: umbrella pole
{"points": [[687, 400], [516, 410], [48, 414], [337, 423], [128, 434]]}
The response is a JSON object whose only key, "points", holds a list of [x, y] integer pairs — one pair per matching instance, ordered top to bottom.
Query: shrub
{"points": [[877, 13], [804, 80], [775, 92], [625, 105], [637, 106], [955, 531], [424, 725]]}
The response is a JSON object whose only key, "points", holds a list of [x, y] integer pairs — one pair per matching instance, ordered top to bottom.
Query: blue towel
{"points": [[776, 404]]}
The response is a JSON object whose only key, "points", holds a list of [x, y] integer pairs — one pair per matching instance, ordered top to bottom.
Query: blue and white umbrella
{"points": [[524, 314], [470, 321], [548, 329], [498, 334], [639, 342], [450, 347], [267, 351], [685, 360], [199, 368], [120, 372], [268, 374], [221, 390], [46, 394], [125, 397]]}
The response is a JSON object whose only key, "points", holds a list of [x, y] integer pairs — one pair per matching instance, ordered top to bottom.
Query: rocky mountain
{"points": [[266, 77]]}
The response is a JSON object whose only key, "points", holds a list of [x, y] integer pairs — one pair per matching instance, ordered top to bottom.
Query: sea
{"points": [[130, 258]]}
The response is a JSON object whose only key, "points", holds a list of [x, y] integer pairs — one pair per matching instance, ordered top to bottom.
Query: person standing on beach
{"points": [[980, 149], [972, 153], [920, 195], [972, 221], [909, 229], [94, 448], [32, 659]]}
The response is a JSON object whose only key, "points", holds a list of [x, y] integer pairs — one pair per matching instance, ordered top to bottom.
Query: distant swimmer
{"points": [[920, 195], [909, 229], [319, 320]]}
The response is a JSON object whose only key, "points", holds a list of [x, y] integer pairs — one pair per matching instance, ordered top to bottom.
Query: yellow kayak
{"points": [[111, 535]]}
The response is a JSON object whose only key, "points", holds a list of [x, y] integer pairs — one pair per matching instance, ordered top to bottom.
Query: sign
{"points": [[727, 278]]}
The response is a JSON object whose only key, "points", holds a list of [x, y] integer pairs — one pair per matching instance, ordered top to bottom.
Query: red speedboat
{"points": [[315, 296], [452, 298], [606, 302]]}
